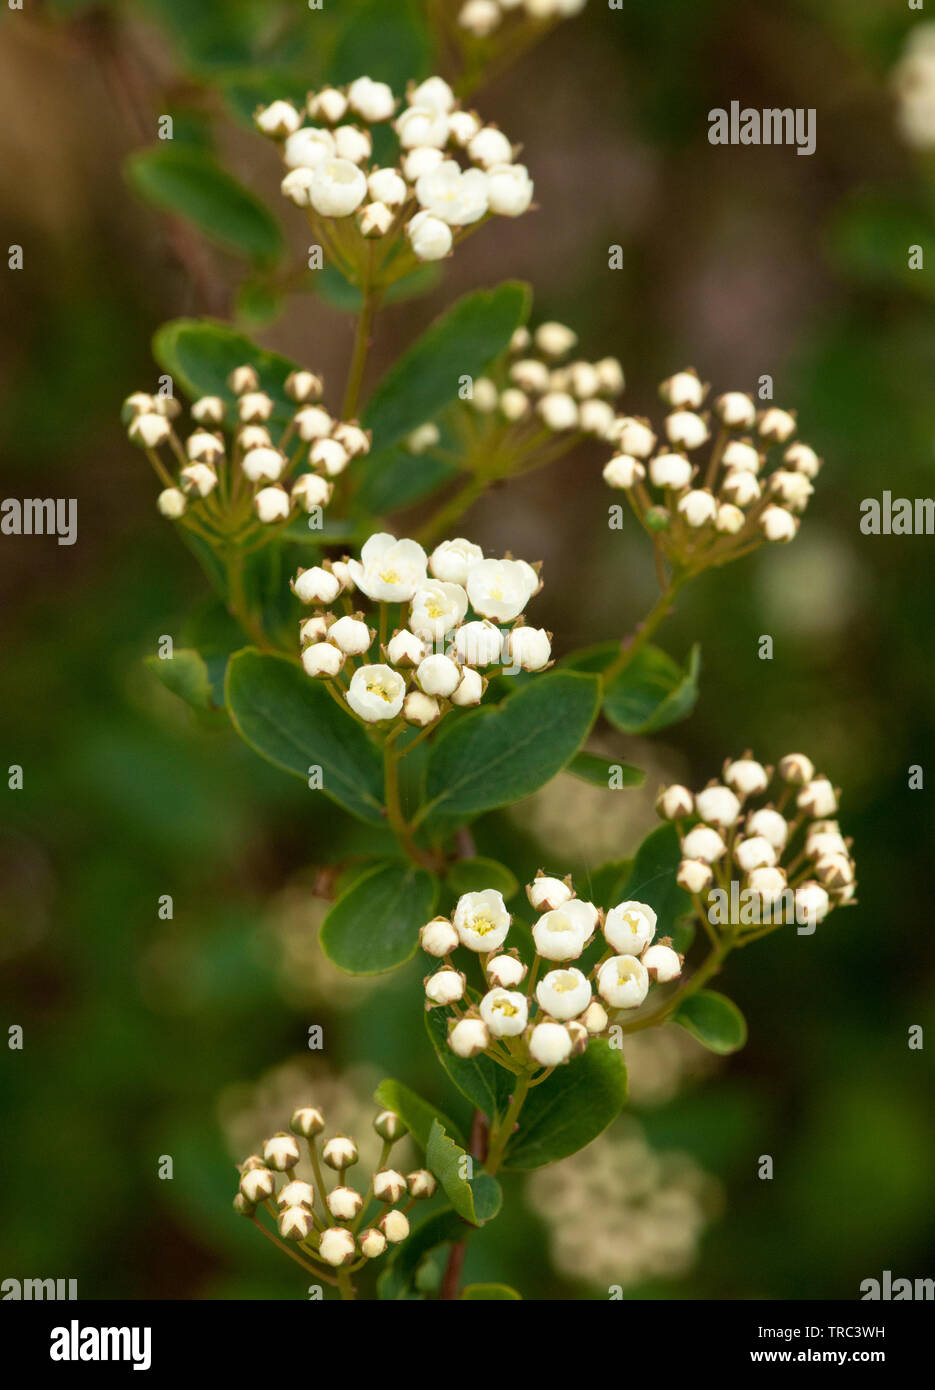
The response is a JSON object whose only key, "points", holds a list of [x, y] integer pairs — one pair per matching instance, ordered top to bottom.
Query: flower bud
{"points": [[480, 17], [463, 126], [352, 144], [424, 159], [375, 220], [430, 238], [683, 391], [139, 403], [514, 404], [254, 407], [735, 409], [558, 410], [313, 422], [776, 425], [149, 430], [686, 430], [634, 436], [254, 437], [204, 447], [740, 454], [330, 455], [803, 459], [264, 463], [670, 470], [623, 471], [199, 478], [740, 487], [792, 489], [310, 490], [172, 503], [272, 504], [698, 507], [730, 519], [316, 585], [352, 635], [530, 647], [405, 649], [322, 659], [438, 675], [471, 689], [420, 710], [796, 768], [746, 776], [817, 798], [675, 803], [717, 805], [771, 825], [702, 842], [754, 853], [835, 871], [694, 875], [768, 883], [545, 893], [812, 903], [438, 937], [662, 963], [505, 971], [445, 987], [595, 1018], [468, 1037], [550, 1044], [308, 1122], [389, 1126], [281, 1152], [340, 1152], [421, 1184], [258, 1185], [388, 1185], [297, 1194], [344, 1203], [242, 1207], [295, 1223], [395, 1226], [372, 1243], [336, 1246]]}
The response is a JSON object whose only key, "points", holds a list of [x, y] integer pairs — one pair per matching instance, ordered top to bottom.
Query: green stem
{"points": [[362, 336], [450, 511], [652, 621], [504, 1132], [345, 1285]]}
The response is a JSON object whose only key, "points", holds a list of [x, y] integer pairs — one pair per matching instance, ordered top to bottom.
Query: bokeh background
{"points": [[186, 1038]]}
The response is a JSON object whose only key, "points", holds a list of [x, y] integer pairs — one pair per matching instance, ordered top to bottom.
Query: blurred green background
{"points": [[146, 1037]]}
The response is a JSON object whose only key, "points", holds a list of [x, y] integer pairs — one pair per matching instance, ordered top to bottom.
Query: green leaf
{"points": [[386, 39], [190, 182], [338, 291], [258, 303], [463, 342], [200, 354], [395, 478], [186, 675], [652, 692], [293, 722], [497, 755], [601, 771], [473, 875], [652, 880], [605, 881], [375, 925], [714, 1020], [487, 1086], [571, 1108], [414, 1112], [447, 1160], [440, 1228], [474, 1293]]}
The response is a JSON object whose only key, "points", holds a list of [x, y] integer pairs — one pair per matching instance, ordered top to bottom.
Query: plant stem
{"points": [[362, 337], [450, 511], [237, 602], [651, 622], [394, 812], [504, 1132], [345, 1285]]}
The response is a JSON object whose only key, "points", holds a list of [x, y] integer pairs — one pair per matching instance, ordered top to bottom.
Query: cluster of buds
{"points": [[481, 18], [913, 83], [378, 222], [534, 405], [226, 483], [712, 510], [453, 601], [780, 861], [551, 1021], [340, 1227]]}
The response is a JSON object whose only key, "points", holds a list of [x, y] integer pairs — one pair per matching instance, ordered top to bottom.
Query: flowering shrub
{"points": [[418, 699]]}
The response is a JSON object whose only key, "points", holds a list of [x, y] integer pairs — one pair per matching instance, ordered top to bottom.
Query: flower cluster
{"points": [[483, 17], [914, 85], [404, 213], [231, 481], [714, 510], [441, 646], [746, 864], [550, 1021], [329, 1226]]}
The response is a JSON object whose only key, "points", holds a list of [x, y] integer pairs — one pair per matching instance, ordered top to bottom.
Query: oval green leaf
{"points": [[200, 354], [185, 673], [652, 692], [605, 772], [473, 875], [374, 926], [714, 1020], [571, 1108], [414, 1112], [475, 1199], [475, 1293]]}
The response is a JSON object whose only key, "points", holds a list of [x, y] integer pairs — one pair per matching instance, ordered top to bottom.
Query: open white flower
{"points": [[308, 148], [337, 188], [457, 196], [451, 560], [389, 570], [500, 589], [437, 608], [376, 693], [481, 920], [629, 927], [563, 933], [623, 982], [564, 994], [505, 1012]]}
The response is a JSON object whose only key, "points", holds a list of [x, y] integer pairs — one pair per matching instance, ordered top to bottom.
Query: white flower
{"points": [[479, 17], [434, 93], [372, 100], [329, 105], [278, 119], [419, 126], [463, 126], [353, 144], [489, 147], [308, 148], [421, 161], [296, 186], [388, 186], [337, 188], [509, 189], [457, 197], [375, 220], [430, 238], [555, 339], [610, 376], [583, 378], [683, 391], [484, 396], [514, 403], [736, 409], [209, 410], [558, 410], [597, 417], [313, 422], [776, 425], [150, 430], [686, 430], [634, 436], [739, 454], [803, 459], [263, 463], [670, 470], [623, 471], [740, 487], [793, 489], [310, 490], [172, 502], [272, 504], [698, 507], [730, 519], [777, 524], [451, 560], [389, 570], [316, 585], [500, 589], [437, 607], [352, 636], [479, 644], [530, 648], [405, 649], [322, 659], [438, 675], [470, 691], [376, 693], [420, 709], [796, 768], [746, 776], [817, 798], [675, 802], [718, 805], [771, 825], [702, 842], [755, 853], [694, 875], [769, 883], [545, 893], [811, 903], [481, 920], [630, 927], [563, 933], [438, 937], [662, 963], [505, 971], [623, 982], [445, 987], [564, 993], [505, 1012], [595, 1018], [468, 1037], [549, 1044], [281, 1152], [340, 1152], [258, 1185], [388, 1185], [297, 1194], [344, 1203], [395, 1226], [372, 1243], [336, 1246]]}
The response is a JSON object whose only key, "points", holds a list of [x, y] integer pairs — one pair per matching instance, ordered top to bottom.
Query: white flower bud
{"points": [[480, 17], [372, 100], [327, 105], [279, 119], [463, 126], [418, 127], [352, 144], [489, 147], [308, 148], [421, 161], [296, 186], [387, 186], [337, 188], [509, 189], [375, 220], [430, 238], [555, 339], [531, 375], [610, 376], [243, 380], [683, 391], [141, 403], [514, 404], [254, 407], [208, 410], [558, 410], [736, 410], [597, 417], [313, 422], [776, 425], [149, 430], [686, 430], [634, 436], [254, 437], [352, 438], [203, 447], [739, 453], [330, 455], [803, 459], [259, 464], [670, 470], [623, 471], [199, 478], [740, 487], [793, 489], [310, 490], [172, 502], [272, 504], [698, 507], [730, 519], [777, 524], [451, 560], [316, 585], [352, 636], [479, 644], [530, 648], [405, 649], [322, 659], [438, 675], [470, 690], [376, 693], [420, 709], [796, 768], [746, 776], [817, 798], [675, 803], [718, 805], [771, 825], [702, 842], [821, 844], [755, 853], [835, 871], [694, 875], [769, 883], [546, 894], [812, 903], [481, 920], [629, 927], [563, 932], [438, 937], [662, 963], [505, 971], [623, 982], [445, 987], [564, 994], [505, 1012], [595, 1018], [468, 1037], [550, 1044], [307, 1121], [389, 1126], [281, 1152], [340, 1152], [421, 1184], [257, 1185], [388, 1185], [297, 1194], [344, 1203], [395, 1226], [372, 1243], [336, 1246]]}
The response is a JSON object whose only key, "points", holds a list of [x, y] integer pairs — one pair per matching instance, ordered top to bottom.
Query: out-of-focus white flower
{"points": [[372, 100], [279, 119], [421, 126], [352, 143], [490, 147], [308, 148], [337, 188], [509, 189], [456, 196], [430, 238], [558, 410], [776, 425], [686, 430], [670, 470], [623, 471], [311, 490], [172, 502], [272, 504], [698, 507], [777, 524], [796, 768], [818, 798], [770, 825], [756, 852]]}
